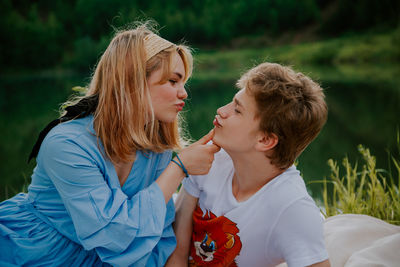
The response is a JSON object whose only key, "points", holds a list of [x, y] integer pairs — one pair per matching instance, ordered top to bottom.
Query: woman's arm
{"points": [[197, 158], [185, 205], [123, 230], [324, 263]]}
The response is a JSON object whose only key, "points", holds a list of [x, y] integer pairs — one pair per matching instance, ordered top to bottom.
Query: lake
{"points": [[363, 106]]}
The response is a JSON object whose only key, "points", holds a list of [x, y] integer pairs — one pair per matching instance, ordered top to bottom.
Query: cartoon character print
{"points": [[214, 240]]}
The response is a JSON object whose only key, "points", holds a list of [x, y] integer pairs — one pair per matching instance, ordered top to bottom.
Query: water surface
{"points": [[363, 106]]}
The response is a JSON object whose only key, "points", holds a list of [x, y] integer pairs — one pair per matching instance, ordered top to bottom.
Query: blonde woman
{"points": [[101, 191]]}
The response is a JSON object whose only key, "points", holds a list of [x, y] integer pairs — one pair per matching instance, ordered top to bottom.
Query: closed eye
{"points": [[173, 82], [236, 108]]}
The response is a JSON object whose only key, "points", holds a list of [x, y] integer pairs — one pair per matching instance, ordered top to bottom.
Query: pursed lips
{"points": [[180, 106], [216, 122]]}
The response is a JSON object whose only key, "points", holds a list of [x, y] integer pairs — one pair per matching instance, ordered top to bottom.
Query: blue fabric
{"points": [[76, 213]]}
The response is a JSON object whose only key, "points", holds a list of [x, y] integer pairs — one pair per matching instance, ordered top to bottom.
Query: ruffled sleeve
{"points": [[191, 186], [124, 231]]}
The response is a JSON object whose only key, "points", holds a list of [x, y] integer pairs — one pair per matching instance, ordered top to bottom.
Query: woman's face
{"points": [[168, 98], [236, 126]]}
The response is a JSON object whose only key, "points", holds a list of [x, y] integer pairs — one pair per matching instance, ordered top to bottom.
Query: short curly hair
{"points": [[289, 105]]}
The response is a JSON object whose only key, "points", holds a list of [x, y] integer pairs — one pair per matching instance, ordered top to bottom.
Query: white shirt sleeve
{"points": [[194, 184], [191, 186], [298, 235]]}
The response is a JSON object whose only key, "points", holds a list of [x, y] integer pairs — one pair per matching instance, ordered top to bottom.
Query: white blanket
{"points": [[354, 240]]}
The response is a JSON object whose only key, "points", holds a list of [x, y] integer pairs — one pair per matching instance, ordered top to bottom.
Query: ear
{"points": [[266, 142]]}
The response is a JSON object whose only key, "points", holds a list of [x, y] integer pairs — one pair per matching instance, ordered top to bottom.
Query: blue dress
{"points": [[76, 213]]}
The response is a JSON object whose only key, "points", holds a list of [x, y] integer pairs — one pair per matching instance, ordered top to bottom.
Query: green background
{"points": [[351, 47]]}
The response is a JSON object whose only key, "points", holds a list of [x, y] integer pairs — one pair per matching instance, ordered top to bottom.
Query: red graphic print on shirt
{"points": [[214, 240]]}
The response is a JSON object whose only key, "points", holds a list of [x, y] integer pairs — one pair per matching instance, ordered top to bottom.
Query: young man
{"points": [[252, 208]]}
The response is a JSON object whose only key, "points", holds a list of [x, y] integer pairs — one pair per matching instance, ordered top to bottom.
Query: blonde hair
{"points": [[289, 105], [124, 119]]}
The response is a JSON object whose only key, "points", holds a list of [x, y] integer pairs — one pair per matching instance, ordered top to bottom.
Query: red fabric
{"points": [[214, 240]]}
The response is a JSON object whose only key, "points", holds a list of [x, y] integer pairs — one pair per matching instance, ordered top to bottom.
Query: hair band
{"points": [[154, 44]]}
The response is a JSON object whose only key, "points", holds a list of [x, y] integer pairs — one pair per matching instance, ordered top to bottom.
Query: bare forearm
{"points": [[169, 180], [183, 227], [176, 260], [325, 263]]}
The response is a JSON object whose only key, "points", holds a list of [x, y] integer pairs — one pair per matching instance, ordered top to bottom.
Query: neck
{"points": [[123, 168], [253, 170]]}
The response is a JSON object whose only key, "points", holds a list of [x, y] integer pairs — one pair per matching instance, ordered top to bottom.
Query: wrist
{"points": [[180, 164]]}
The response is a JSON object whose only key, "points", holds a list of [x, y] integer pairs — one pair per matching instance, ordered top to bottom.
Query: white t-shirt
{"points": [[280, 222]]}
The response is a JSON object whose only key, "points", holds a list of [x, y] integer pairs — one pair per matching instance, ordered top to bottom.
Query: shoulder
{"points": [[73, 129], [75, 136], [286, 189], [289, 201], [296, 211], [303, 211], [298, 233]]}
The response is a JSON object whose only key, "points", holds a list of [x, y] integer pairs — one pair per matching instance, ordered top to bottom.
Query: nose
{"points": [[182, 94], [223, 111]]}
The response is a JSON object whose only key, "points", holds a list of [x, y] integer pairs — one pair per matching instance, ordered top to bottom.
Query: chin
{"points": [[168, 119], [216, 141], [227, 145]]}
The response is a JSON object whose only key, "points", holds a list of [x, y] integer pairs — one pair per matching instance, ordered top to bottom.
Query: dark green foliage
{"points": [[360, 15], [45, 33], [26, 34]]}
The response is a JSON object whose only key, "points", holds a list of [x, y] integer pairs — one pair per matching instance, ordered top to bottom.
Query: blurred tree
{"points": [[360, 15], [46, 33], [26, 37]]}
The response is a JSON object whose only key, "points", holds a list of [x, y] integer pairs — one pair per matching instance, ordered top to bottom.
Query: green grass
{"points": [[375, 50], [365, 190]]}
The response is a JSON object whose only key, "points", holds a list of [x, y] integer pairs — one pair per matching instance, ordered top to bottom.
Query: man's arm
{"points": [[183, 226], [324, 263]]}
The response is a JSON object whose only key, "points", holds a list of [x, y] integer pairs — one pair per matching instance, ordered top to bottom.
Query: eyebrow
{"points": [[178, 74], [237, 102]]}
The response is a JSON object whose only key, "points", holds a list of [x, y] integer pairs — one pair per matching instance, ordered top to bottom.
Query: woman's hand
{"points": [[198, 157]]}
